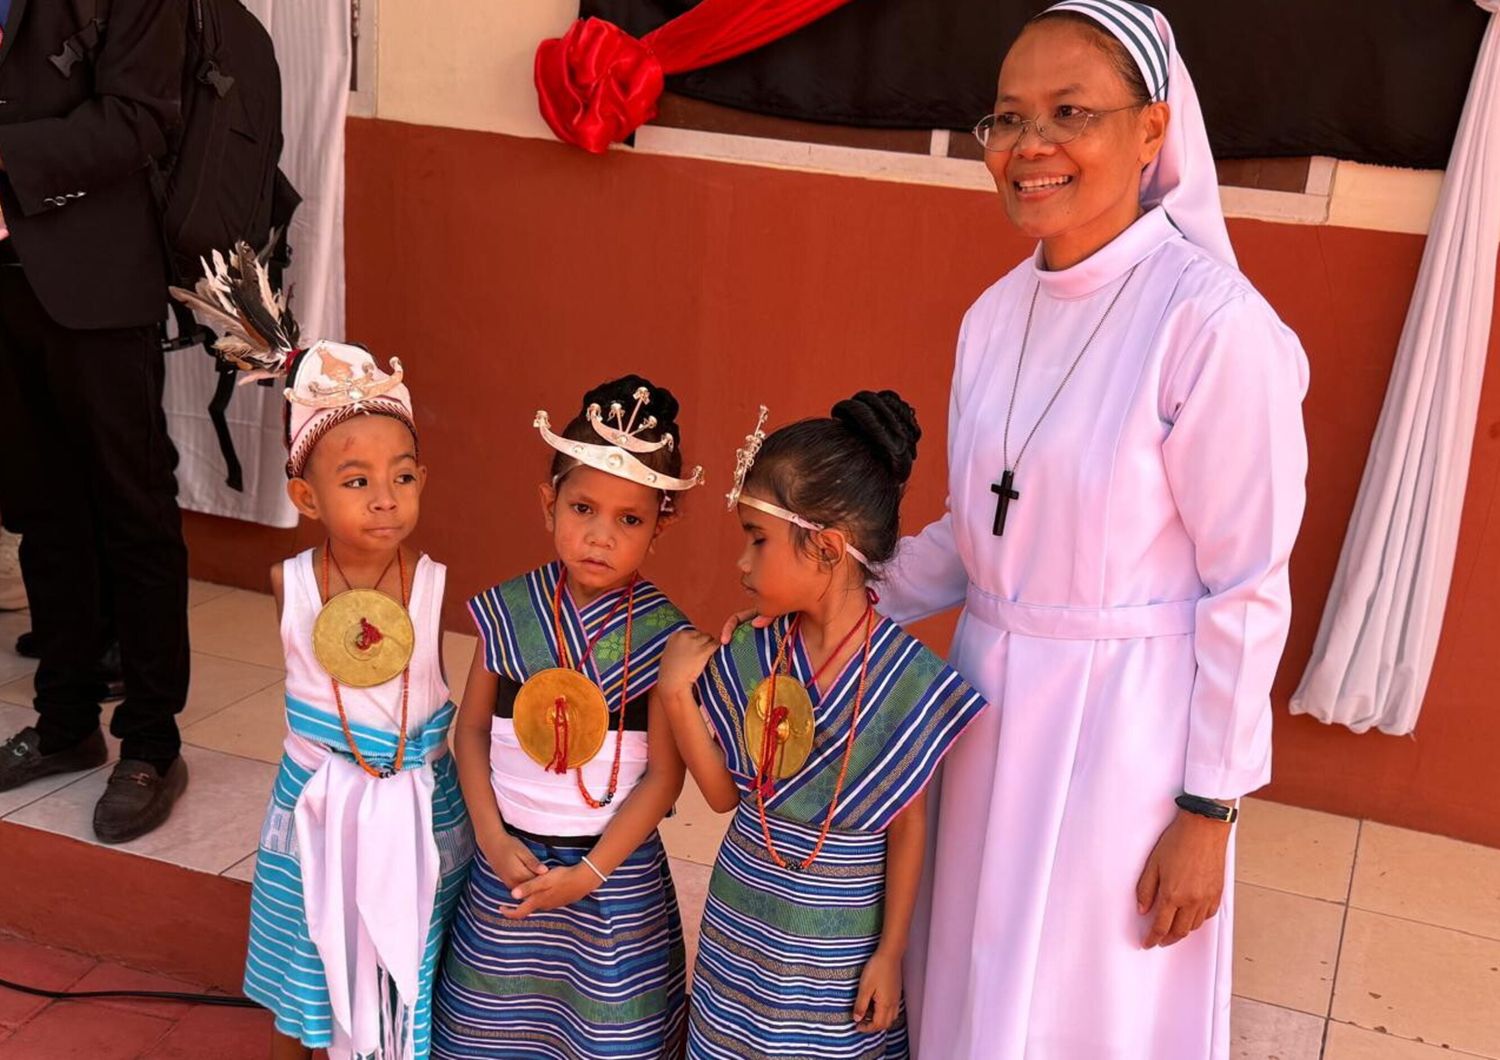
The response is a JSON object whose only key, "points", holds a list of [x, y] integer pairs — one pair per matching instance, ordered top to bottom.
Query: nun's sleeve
{"points": [[1236, 460], [927, 575]]}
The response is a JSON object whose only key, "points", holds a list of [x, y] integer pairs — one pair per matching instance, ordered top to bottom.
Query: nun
{"points": [[1126, 463]]}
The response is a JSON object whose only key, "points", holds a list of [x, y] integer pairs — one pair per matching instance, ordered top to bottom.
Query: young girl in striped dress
{"points": [[822, 731], [568, 943]]}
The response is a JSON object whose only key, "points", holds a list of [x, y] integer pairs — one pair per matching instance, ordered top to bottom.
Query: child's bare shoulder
{"points": [[278, 586]]}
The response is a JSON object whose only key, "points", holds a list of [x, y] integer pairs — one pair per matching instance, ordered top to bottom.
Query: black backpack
{"points": [[220, 183]]}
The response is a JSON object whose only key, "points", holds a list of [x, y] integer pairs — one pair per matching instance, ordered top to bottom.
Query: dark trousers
{"points": [[86, 477]]}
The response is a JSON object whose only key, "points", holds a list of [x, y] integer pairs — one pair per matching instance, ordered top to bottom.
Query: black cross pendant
{"points": [[1004, 494]]}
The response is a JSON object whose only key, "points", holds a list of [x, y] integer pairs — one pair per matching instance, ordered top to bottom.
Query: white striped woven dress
{"points": [[351, 866]]}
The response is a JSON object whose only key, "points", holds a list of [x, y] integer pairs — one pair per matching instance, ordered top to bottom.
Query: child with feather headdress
{"points": [[366, 840]]}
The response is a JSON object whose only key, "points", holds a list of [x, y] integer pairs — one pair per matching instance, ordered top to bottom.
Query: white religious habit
{"points": [[1126, 626]]}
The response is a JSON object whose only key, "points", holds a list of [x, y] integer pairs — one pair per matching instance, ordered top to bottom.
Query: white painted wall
{"points": [[465, 64]]}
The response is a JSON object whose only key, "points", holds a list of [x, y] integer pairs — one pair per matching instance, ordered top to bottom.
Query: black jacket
{"points": [[76, 152]]}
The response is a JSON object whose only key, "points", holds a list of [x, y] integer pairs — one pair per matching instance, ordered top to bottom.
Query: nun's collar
{"points": [[1109, 262]]}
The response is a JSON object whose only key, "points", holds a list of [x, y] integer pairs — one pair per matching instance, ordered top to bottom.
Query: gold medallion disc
{"points": [[363, 638], [535, 712], [795, 733]]}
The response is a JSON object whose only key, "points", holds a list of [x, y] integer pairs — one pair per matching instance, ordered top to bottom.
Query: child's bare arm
{"points": [[686, 656], [471, 748], [649, 801], [509, 858], [879, 999]]}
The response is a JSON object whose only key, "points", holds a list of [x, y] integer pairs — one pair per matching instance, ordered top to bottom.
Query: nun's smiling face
{"points": [[1077, 196]]}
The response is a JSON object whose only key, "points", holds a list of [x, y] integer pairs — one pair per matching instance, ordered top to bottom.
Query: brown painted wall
{"points": [[511, 274]]}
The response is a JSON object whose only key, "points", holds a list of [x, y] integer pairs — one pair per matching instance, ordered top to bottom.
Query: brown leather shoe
{"points": [[22, 761], [137, 799]]}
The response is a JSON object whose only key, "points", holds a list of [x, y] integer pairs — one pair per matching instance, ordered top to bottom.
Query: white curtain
{"points": [[315, 55], [1373, 656]]}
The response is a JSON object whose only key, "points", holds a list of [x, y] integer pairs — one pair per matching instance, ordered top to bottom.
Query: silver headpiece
{"points": [[622, 441], [744, 460]]}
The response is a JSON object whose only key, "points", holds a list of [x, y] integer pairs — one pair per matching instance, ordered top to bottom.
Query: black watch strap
{"points": [[1216, 811]]}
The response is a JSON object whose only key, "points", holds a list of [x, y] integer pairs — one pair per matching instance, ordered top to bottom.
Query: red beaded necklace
{"points": [[338, 699], [560, 717], [772, 748], [763, 771]]}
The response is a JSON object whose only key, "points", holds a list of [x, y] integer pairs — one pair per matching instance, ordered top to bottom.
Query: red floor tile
{"points": [[181, 923], [34, 965], [118, 977], [67, 1030], [217, 1033]]}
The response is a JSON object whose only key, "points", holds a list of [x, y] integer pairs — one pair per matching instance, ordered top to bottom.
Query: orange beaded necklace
{"points": [[338, 699], [560, 714], [764, 770]]}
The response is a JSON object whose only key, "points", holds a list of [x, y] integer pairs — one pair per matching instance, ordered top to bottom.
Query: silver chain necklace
{"points": [[1005, 490]]}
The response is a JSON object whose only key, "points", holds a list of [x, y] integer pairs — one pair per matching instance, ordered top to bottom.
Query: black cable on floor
{"points": [[149, 995]]}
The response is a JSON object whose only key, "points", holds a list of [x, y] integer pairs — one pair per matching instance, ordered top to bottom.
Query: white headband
{"points": [[744, 460]]}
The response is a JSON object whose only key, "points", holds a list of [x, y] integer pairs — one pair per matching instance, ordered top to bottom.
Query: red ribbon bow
{"points": [[596, 84]]}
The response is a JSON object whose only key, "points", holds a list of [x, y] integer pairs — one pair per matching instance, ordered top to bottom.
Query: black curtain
{"points": [[1379, 81]]}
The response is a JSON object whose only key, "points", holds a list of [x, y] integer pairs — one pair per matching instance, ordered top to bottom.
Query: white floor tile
{"points": [[201, 592], [12, 625], [238, 625], [216, 683], [255, 727], [215, 825], [242, 870], [1258, 1031]]}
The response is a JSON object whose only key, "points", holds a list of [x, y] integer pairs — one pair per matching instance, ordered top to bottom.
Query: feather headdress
{"points": [[257, 332], [326, 384]]}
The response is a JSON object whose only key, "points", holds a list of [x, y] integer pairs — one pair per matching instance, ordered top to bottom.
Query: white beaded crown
{"points": [[621, 441]]}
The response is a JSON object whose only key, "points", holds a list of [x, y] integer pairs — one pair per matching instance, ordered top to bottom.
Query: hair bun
{"points": [[663, 403], [886, 424]]}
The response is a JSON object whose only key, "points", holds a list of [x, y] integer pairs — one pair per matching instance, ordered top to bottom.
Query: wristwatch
{"points": [[1215, 811]]}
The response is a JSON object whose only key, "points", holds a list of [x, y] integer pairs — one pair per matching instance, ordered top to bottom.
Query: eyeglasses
{"points": [[1001, 132]]}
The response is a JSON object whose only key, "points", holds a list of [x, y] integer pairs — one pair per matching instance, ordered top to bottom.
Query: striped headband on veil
{"points": [[1134, 26], [1182, 180]]}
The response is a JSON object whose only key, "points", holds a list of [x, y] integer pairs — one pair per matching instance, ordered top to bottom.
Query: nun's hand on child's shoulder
{"points": [[682, 662], [511, 861], [562, 886], [879, 998]]}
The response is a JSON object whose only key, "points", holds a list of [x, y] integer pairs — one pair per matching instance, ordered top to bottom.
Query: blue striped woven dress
{"points": [[781, 950], [284, 971], [603, 978]]}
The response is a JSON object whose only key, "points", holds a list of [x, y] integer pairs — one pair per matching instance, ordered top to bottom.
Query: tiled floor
{"points": [[1354, 940]]}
